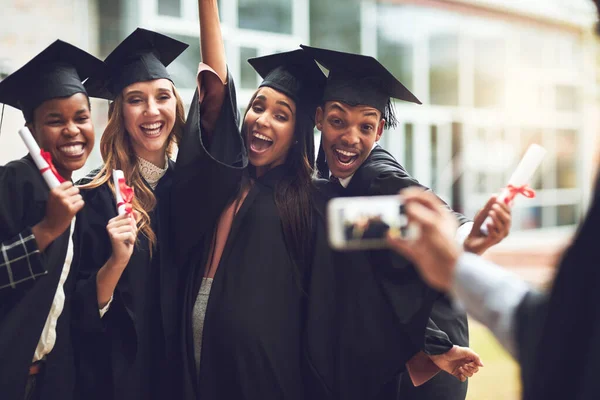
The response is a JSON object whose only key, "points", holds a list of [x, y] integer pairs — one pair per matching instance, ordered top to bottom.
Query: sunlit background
{"points": [[493, 76]]}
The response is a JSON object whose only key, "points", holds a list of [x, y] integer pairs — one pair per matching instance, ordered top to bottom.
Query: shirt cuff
{"points": [[462, 232], [490, 294], [104, 309]]}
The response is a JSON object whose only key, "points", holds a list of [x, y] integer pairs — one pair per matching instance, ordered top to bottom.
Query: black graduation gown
{"points": [[381, 174], [24, 310], [529, 328], [269, 331], [564, 345], [129, 352]]}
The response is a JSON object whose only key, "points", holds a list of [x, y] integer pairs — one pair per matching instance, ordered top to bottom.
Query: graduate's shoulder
{"points": [[21, 169], [382, 174], [89, 177], [91, 192]]}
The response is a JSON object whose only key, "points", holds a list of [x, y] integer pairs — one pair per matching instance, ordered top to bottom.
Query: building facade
{"points": [[494, 76]]}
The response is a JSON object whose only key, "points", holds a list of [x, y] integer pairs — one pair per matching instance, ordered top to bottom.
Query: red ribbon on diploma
{"points": [[48, 157], [513, 191], [127, 195]]}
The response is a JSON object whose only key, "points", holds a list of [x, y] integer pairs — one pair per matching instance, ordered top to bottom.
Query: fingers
{"points": [[64, 186], [72, 191], [425, 198], [77, 206], [483, 213], [421, 214], [503, 217], [119, 220], [126, 237], [405, 247], [468, 370]]}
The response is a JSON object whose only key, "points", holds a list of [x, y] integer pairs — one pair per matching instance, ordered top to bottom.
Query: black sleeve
{"points": [[207, 175], [391, 182], [22, 205], [91, 251], [20, 260], [529, 324], [436, 341]]}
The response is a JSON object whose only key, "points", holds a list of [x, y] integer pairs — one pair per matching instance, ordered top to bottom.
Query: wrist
{"points": [[43, 234], [469, 247], [114, 263]]}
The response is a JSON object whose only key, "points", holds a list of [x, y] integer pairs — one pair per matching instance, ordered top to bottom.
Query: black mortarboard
{"points": [[142, 56], [56, 72], [295, 74], [356, 79]]}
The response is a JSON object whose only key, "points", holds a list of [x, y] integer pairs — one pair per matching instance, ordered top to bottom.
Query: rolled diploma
{"points": [[39, 161], [118, 174], [521, 176]]}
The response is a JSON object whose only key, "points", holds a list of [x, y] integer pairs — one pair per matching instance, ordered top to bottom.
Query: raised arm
{"points": [[211, 40], [212, 72]]}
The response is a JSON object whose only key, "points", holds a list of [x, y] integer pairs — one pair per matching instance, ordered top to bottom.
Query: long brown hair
{"points": [[118, 153], [293, 193]]}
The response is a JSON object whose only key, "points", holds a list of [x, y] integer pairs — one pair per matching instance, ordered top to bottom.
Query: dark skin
{"points": [[63, 127], [348, 135]]}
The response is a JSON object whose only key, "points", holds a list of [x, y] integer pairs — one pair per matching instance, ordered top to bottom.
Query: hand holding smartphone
{"points": [[357, 223]]}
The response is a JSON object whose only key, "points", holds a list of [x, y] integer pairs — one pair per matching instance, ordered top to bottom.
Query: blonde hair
{"points": [[118, 153]]}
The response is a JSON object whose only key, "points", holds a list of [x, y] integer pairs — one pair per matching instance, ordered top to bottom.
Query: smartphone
{"points": [[356, 223]]}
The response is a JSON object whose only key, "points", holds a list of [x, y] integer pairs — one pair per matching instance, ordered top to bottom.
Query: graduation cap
{"points": [[142, 56], [55, 72], [295, 74], [356, 79]]}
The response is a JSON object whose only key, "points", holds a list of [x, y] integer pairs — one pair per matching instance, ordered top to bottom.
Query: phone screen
{"points": [[365, 222]]}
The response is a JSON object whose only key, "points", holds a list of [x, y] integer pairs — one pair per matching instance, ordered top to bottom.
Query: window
{"points": [[170, 8], [265, 15], [335, 24], [394, 49], [397, 58], [185, 67], [443, 72], [489, 72], [248, 75], [567, 98], [408, 147], [566, 159], [567, 215]]}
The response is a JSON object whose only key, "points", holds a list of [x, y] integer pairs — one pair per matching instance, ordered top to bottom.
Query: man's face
{"points": [[348, 135]]}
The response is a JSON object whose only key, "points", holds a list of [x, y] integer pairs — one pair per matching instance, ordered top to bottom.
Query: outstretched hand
{"points": [[499, 227], [434, 251], [460, 362]]}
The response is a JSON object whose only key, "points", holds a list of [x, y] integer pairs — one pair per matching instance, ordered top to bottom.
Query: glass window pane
{"points": [[170, 8], [265, 15], [335, 24], [531, 48], [393, 51], [184, 69], [443, 72], [489, 73], [248, 78], [567, 98], [433, 134], [408, 147], [566, 161], [458, 202], [567, 215], [528, 218]]}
